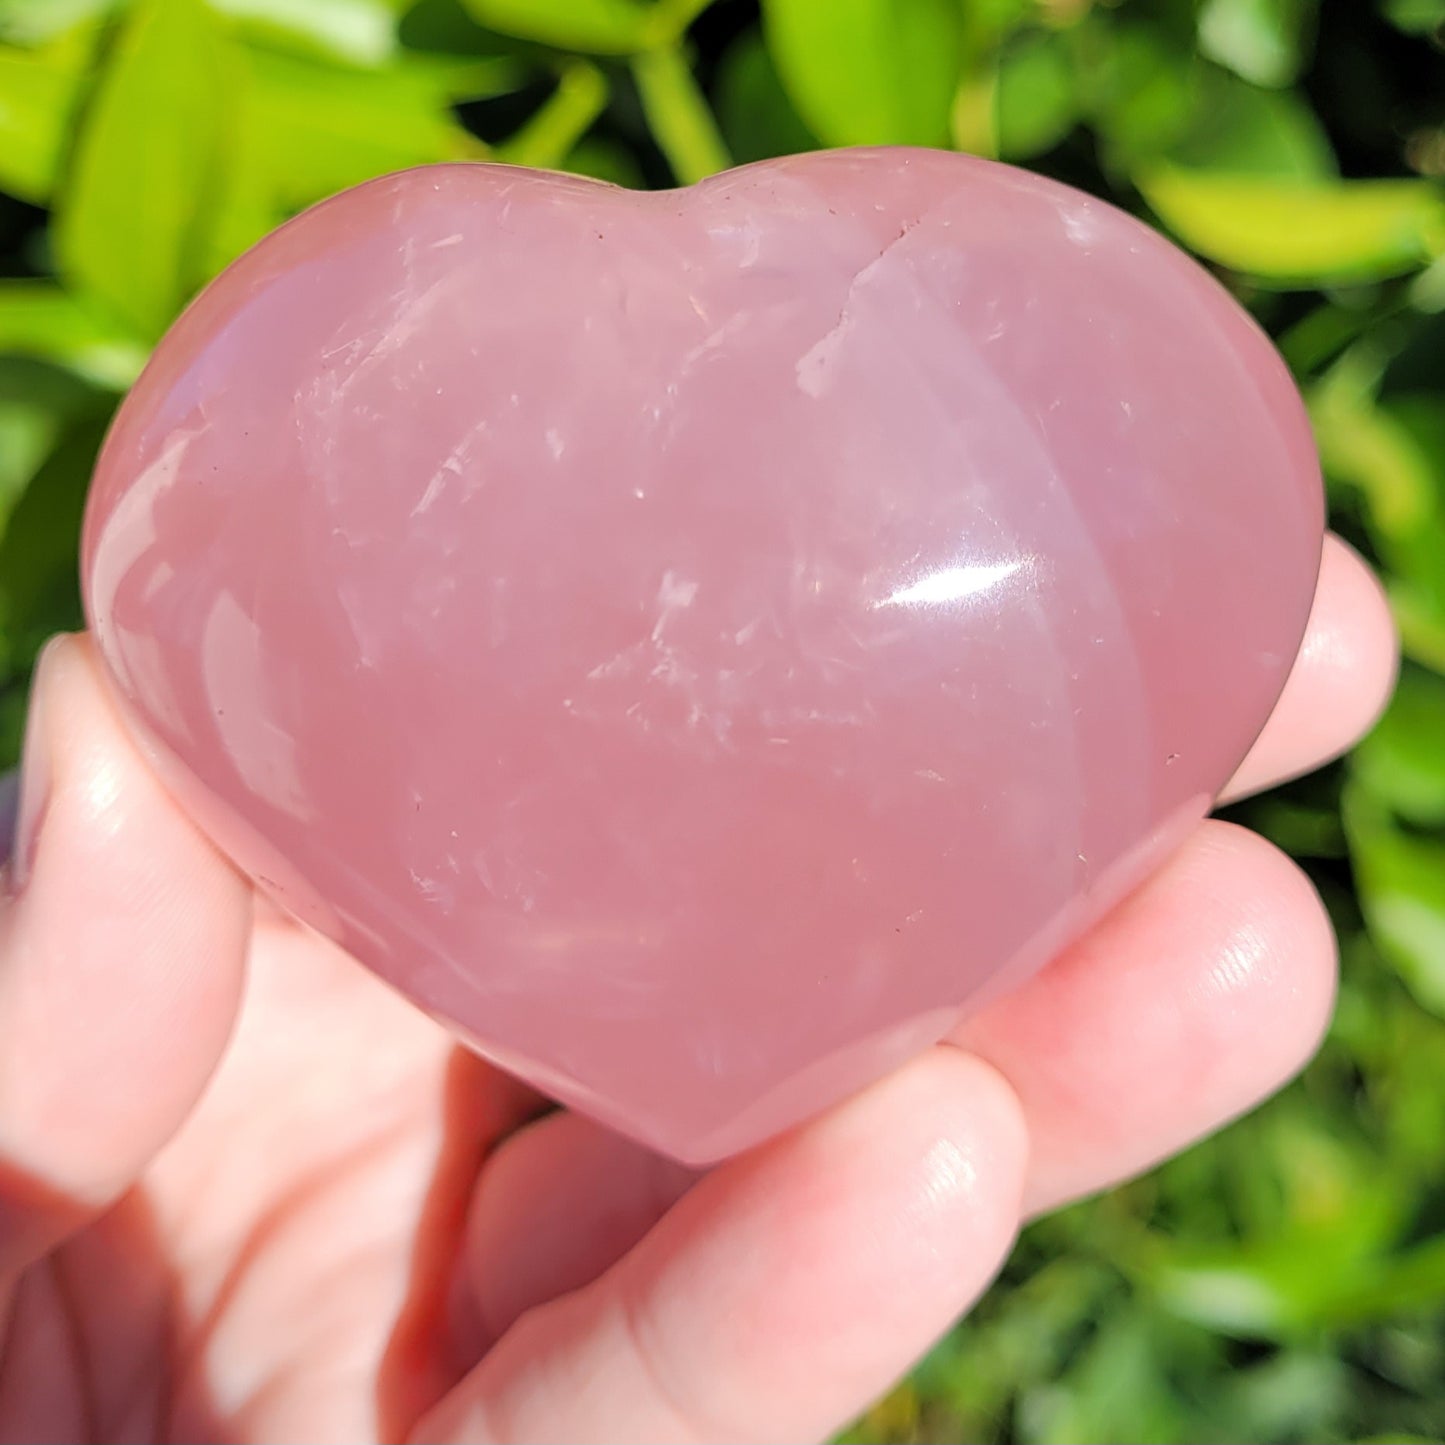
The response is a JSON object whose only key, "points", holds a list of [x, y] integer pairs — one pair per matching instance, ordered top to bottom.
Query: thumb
{"points": [[122, 943]]}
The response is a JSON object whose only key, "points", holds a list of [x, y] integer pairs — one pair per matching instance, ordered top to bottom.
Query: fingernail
{"points": [[25, 793]]}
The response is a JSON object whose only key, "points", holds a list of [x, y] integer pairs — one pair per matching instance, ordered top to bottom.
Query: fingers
{"points": [[1341, 680], [121, 949], [1198, 997], [1195, 999], [559, 1202], [784, 1291]]}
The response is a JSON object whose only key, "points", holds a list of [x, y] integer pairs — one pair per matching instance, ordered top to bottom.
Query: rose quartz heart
{"points": [[696, 643]]}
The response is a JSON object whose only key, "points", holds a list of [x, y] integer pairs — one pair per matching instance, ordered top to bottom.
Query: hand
{"points": [[247, 1194]]}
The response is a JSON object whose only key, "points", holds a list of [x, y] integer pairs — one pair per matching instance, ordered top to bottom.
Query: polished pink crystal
{"points": [[697, 643]]}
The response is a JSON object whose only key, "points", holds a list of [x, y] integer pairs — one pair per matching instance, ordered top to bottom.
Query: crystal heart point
{"points": [[695, 644]]}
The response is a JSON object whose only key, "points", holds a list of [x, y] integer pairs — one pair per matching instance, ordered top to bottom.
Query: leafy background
{"points": [[1283, 1282]]}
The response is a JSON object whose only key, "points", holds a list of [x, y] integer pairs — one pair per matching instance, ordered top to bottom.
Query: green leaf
{"points": [[1415, 17], [33, 22], [443, 27], [601, 27], [356, 32], [1264, 41], [869, 72], [453, 79], [1138, 85], [39, 94], [1154, 102], [1037, 105], [753, 109], [678, 115], [1239, 129], [303, 130], [315, 130], [554, 131], [150, 163], [248, 205], [1300, 232], [1427, 290], [38, 319], [1319, 336], [39, 403], [27, 433], [1365, 445], [1392, 454], [39, 592], [1421, 627], [1402, 763], [1301, 829], [1401, 882], [1405, 909], [1334, 1242], [1114, 1389], [1289, 1396], [1397, 1437]]}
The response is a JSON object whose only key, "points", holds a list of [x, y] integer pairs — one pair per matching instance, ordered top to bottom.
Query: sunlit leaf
{"points": [[33, 22], [602, 27], [359, 32], [1265, 41], [869, 71], [40, 91], [678, 115], [317, 130], [150, 163], [248, 205], [1300, 232], [38, 319], [1371, 448], [1392, 454], [1333, 1242]]}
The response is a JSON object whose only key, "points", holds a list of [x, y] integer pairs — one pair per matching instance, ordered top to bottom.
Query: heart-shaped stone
{"points": [[697, 643]]}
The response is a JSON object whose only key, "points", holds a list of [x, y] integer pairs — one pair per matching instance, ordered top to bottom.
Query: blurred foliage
{"points": [[1283, 1282]]}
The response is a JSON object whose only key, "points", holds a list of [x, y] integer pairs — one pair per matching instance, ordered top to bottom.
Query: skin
{"points": [[247, 1194]]}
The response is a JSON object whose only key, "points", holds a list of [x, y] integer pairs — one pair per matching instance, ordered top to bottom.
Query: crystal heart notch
{"points": [[696, 644]]}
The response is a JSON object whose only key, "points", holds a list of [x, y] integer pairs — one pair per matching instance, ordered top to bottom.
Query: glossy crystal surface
{"points": [[697, 643]]}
